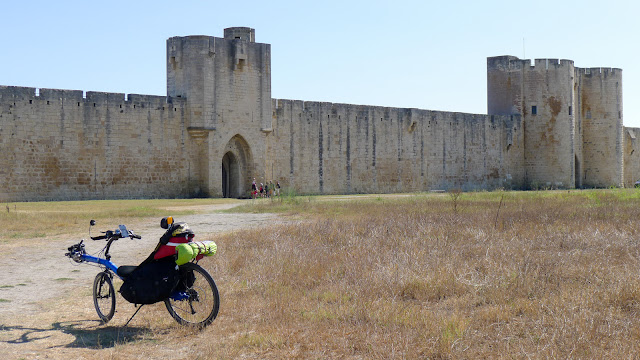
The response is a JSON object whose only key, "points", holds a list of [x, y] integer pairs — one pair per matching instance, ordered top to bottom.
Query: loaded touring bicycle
{"points": [[170, 274]]}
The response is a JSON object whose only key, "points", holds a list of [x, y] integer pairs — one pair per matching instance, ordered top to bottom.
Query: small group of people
{"points": [[265, 190]]}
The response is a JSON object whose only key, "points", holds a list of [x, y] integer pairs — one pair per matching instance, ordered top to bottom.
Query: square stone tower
{"points": [[227, 86], [572, 119]]}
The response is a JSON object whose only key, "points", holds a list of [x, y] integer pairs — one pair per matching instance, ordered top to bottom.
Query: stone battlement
{"points": [[508, 62], [545, 64], [605, 71], [9, 94]]}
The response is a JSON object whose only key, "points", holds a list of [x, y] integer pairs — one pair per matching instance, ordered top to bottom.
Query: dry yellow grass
{"points": [[54, 218], [539, 275], [555, 276]]}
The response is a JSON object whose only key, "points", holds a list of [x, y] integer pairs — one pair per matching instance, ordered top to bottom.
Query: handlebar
{"points": [[119, 233], [77, 251]]}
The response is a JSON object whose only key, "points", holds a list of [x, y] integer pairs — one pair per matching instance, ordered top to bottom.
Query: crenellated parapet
{"points": [[547, 64], [599, 71], [16, 95]]}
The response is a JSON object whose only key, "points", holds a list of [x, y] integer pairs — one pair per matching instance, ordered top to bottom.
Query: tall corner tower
{"points": [[191, 75], [227, 85], [505, 85], [544, 95], [600, 111]]}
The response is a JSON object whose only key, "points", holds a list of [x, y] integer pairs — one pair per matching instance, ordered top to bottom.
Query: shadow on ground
{"points": [[88, 334]]}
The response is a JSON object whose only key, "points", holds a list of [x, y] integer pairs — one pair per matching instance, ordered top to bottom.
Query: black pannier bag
{"points": [[187, 279], [151, 282]]}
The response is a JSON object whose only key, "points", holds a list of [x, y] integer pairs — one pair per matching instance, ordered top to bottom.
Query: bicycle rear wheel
{"points": [[104, 296], [196, 301]]}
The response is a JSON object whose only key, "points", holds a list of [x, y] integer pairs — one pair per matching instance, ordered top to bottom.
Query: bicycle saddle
{"points": [[124, 271]]}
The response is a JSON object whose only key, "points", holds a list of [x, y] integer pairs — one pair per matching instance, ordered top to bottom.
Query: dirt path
{"points": [[32, 273], [29, 278], [46, 311]]}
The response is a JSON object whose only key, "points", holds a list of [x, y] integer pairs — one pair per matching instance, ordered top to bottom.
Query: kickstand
{"points": [[134, 314]]}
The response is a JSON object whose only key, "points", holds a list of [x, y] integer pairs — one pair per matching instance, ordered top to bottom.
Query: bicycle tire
{"points": [[104, 296], [202, 302]]}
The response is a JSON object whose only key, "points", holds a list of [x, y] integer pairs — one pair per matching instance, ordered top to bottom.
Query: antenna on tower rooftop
{"points": [[524, 54]]}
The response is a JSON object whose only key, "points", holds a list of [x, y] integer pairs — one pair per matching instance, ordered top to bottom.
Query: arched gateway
{"points": [[235, 167]]}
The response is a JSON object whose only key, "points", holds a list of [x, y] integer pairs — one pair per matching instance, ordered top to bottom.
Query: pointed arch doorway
{"points": [[236, 168], [229, 172]]}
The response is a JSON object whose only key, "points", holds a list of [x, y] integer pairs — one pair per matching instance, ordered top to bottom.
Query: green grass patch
{"points": [[62, 217], [63, 279]]}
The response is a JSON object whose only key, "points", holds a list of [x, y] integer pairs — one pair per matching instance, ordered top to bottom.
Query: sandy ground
{"points": [[29, 277], [32, 281]]}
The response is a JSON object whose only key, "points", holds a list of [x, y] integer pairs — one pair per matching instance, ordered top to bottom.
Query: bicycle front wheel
{"points": [[104, 296], [196, 300]]}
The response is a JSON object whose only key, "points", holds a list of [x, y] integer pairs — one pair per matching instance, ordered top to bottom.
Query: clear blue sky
{"points": [[415, 54]]}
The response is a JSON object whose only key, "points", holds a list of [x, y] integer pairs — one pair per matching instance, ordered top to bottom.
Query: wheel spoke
{"points": [[104, 296], [200, 305]]}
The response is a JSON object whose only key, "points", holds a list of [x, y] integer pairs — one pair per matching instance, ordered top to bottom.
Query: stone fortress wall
{"points": [[549, 125], [59, 144], [339, 148]]}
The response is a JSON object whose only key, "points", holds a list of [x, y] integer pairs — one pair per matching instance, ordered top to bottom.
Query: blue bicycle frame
{"points": [[104, 262], [104, 292], [176, 295]]}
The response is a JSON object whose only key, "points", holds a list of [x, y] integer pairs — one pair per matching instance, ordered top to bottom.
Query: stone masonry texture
{"points": [[549, 125]]}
